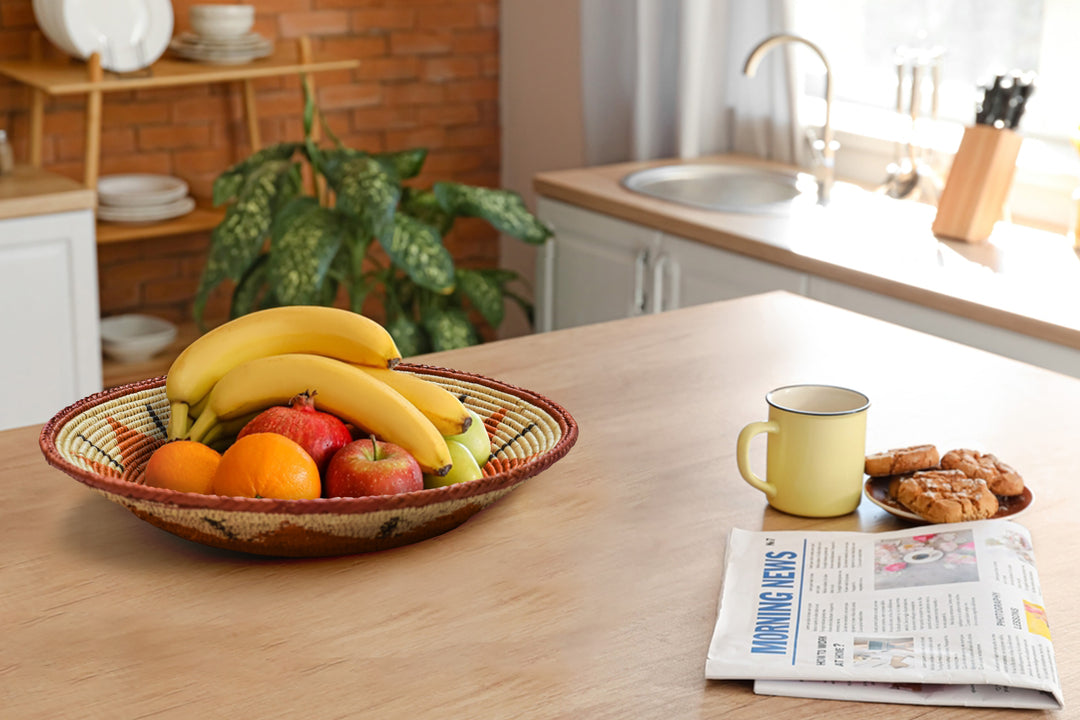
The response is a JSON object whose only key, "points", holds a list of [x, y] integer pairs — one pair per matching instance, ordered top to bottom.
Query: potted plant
{"points": [[291, 237]]}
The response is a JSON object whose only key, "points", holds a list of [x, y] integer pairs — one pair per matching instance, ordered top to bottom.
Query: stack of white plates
{"points": [[129, 34], [221, 50], [142, 198]]}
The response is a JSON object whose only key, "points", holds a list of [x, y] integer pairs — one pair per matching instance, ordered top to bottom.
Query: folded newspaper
{"points": [[934, 615]]}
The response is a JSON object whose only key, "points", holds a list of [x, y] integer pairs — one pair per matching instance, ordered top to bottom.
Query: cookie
{"points": [[902, 460], [999, 477], [894, 484], [945, 496]]}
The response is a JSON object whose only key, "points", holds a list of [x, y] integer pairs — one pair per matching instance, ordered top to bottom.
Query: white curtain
{"points": [[663, 78]]}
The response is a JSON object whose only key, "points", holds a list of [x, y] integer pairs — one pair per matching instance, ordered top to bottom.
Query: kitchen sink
{"points": [[725, 187]]}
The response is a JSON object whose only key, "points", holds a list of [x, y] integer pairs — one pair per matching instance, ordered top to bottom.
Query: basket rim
{"points": [[337, 505]]}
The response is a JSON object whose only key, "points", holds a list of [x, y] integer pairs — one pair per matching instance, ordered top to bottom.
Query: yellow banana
{"points": [[314, 329], [340, 388], [436, 403]]}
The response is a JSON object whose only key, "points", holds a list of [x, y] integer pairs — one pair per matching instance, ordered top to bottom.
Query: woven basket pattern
{"points": [[105, 440]]}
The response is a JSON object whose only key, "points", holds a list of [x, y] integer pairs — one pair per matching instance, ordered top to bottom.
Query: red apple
{"points": [[363, 468]]}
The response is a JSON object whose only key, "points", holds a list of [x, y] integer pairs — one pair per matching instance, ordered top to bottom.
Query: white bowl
{"points": [[222, 21], [134, 337]]}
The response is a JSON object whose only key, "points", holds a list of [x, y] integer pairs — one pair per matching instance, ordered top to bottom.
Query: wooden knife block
{"points": [[978, 183]]}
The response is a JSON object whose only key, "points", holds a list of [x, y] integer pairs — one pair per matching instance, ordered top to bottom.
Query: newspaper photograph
{"points": [[937, 615]]}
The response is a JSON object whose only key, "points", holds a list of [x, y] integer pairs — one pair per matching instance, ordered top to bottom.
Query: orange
{"points": [[183, 465], [267, 465]]}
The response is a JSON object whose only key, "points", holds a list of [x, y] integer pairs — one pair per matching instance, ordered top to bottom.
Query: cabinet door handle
{"points": [[641, 264], [659, 272]]}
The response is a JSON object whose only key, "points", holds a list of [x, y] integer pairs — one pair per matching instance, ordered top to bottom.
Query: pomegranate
{"points": [[320, 434]]}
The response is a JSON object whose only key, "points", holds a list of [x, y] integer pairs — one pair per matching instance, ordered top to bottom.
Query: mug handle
{"points": [[742, 454]]}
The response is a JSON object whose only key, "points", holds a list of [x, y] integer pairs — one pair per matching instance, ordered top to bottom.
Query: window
{"points": [[974, 40]]}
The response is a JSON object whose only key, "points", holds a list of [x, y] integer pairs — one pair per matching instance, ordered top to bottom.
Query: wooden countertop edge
{"points": [[554, 186], [30, 191]]}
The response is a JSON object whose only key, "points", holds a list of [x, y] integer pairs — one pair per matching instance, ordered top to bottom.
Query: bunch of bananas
{"points": [[346, 360]]}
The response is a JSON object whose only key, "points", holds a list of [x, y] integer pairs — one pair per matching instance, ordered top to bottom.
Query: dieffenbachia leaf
{"points": [[405, 163], [228, 184], [365, 189], [425, 207], [505, 210], [238, 239], [304, 239], [417, 249], [349, 266], [484, 292], [246, 296], [449, 328], [409, 337]]}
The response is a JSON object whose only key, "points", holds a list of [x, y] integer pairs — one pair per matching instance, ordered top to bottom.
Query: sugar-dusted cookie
{"points": [[902, 460], [999, 477], [944, 496]]}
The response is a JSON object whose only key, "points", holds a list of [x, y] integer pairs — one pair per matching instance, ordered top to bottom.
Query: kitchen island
{"points": [[617, 253], [588, 592]]}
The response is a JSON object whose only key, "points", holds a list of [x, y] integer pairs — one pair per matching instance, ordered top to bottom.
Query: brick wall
{"points": [[428, 77]]}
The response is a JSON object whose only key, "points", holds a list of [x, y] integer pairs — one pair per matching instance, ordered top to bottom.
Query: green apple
{"points": [[475, 439], [463, 469]]}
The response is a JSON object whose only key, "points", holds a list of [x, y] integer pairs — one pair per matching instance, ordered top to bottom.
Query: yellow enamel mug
{"points": [[816, 450]]}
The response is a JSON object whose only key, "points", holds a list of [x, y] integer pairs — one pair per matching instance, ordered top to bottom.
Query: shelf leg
{"points": [[37, 106], [252, 112], [93, 123], [37, 126]]}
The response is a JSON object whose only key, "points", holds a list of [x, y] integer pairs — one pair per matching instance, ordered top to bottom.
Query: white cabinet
{"points": [[594, 268], [597, 268], [946, 325], [50, 355]]}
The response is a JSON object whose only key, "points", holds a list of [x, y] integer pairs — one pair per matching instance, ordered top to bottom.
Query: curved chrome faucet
{"points": [[823, 148]]}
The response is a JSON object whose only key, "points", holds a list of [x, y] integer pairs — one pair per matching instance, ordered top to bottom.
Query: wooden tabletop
{"points": [[33, 191], [1022, 279], [589, 592]]}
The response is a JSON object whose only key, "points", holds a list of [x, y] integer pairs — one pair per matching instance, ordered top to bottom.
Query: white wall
{"points": [[541, 109]]}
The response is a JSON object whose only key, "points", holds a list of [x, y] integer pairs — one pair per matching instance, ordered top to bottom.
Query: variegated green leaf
{"points": [[332, 159], [406, 163], [289, 182], [228, 184], [365, 190], [425, 207], [504, 209], [304, 240], [237, 241], [417, 249], [484, 292], [246, 296], [449, 328], [410, 338]]}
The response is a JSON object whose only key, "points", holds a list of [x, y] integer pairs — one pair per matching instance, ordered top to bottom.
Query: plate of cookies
{"points": [[917, 483]]}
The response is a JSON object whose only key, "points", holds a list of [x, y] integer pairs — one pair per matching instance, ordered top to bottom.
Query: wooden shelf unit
{"points": [[64, 76], [198, 220]]}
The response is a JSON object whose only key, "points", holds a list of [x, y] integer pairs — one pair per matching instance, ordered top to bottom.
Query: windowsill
{"points": [[1048, 170]]}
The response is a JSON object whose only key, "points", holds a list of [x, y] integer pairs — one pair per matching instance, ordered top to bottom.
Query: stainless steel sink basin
{"points": [[724, 187]]}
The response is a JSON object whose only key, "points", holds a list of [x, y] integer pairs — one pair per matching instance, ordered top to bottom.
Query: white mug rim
{"points": [[776, 404]]}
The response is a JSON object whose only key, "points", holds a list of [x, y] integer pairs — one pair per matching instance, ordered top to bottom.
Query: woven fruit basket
{"points": [[105, 440]]}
